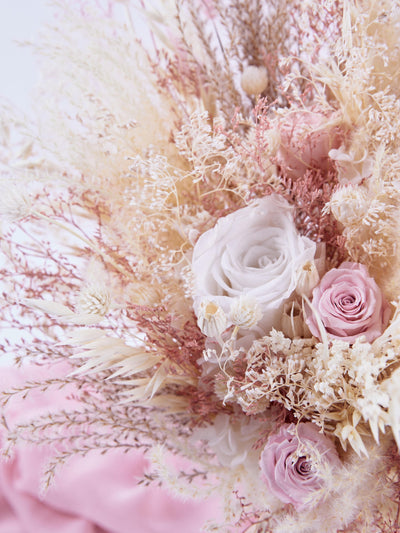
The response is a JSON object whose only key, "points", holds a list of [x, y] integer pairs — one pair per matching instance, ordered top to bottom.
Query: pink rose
{"points": [[306, 139], [349, 303], [295, 461]]}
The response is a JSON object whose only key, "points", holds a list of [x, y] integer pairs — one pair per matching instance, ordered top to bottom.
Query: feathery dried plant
{"points": [[143, 144]]}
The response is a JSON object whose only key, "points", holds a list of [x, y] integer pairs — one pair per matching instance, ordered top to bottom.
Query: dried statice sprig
{"points": [[310, 195]]}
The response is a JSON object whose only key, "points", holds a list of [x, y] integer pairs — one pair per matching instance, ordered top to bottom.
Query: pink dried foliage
{"points": [[324, 25], [178, 75], [263, 124], [253, 153], [309, 177], [309, 194], [220, 203], [33, 267], [32, 270], [182, 343], [204, 405], [393, 460], [249, 519]]}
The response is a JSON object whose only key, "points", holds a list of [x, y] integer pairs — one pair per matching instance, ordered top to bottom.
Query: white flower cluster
{"points": [[336, 385]]}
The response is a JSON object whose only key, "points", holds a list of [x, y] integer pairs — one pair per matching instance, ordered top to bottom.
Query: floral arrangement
{"points": [[203, 225]]}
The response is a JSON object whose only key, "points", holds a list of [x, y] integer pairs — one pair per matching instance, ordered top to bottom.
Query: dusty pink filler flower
{"points": [[349, 304], [292, 462]]}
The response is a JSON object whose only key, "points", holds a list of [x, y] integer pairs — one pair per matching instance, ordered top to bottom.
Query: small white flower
{"points": [[254, 80], [351, 167], [14, 203], [349, 205], [307, 278], [94, 300], [245, 312], [211, 319]]}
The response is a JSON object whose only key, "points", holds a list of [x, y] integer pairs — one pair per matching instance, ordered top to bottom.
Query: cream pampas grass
{"points": [[155, 123]]}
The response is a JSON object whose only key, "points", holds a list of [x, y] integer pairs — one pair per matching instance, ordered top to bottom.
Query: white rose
{"points": [[254, 252], [232, 442]]}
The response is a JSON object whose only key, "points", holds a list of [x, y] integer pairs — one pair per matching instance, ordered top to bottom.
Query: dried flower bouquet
{"points": [[208, 236]]}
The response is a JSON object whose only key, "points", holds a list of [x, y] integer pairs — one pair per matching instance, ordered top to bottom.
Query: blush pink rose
{"points": [[306, 139], [349, 304], [295, 461]]}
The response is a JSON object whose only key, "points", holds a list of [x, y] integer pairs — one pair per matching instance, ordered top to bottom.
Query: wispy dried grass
{"points": [[145, 142]]}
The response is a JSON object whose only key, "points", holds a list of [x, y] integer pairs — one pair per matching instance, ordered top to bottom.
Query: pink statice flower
{"points": [[349, 304], [295, 462]]}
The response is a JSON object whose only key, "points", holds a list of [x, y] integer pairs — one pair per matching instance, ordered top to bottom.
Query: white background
{"points": [[20, 20]]}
